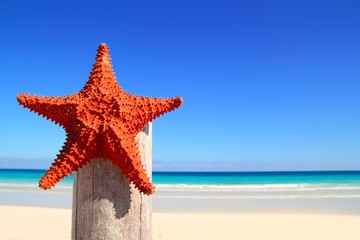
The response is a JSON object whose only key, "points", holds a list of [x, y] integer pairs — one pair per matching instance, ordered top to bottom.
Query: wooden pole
{"points": [[106, 205]]}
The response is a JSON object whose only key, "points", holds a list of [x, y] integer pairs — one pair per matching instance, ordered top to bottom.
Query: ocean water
{"points": [[27, 180], [337, 190]]}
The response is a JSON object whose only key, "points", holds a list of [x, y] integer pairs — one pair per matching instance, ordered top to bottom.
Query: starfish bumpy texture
{"points": [[100, 121]]}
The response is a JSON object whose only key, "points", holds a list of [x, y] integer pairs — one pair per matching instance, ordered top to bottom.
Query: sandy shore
{"points": [[17, 223]]}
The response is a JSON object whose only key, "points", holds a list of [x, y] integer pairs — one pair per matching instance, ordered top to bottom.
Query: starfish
{"points": [[100, 121]]}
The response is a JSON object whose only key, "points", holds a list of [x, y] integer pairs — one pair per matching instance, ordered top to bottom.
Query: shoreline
{"points": [[335, 192], [201, 203], [279, 211], [19, 222]]}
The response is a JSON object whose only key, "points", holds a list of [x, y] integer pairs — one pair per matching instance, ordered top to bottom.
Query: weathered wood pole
{"points": [[106, 205]]}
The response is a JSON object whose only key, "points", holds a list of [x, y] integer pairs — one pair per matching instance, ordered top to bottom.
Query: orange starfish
{"points": [[100, 121]]}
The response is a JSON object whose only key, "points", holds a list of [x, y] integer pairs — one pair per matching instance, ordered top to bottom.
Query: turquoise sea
{"points": [[21, 179], [333, 190]]}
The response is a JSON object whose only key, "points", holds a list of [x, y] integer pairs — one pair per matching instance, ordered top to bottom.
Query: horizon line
{"points": [[204, 171]]}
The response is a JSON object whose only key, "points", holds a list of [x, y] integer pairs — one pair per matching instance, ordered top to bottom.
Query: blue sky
{"points": [[267, 85]]}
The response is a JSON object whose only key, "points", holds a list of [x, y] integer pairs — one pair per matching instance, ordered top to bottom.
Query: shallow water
{"points": [[322, 192]]}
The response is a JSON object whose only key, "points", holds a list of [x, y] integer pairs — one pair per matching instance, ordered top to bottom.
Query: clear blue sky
{"points": [[268, 85]]}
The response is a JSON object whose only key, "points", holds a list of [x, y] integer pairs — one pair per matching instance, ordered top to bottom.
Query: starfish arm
{"points": [[146, 109], [60, 110], [73, 156], [127, 158]]}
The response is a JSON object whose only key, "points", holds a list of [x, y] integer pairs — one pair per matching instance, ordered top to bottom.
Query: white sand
{"points": [[17, 223]]}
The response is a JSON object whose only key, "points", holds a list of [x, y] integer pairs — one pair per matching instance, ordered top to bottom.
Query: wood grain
{"points": [[106, 205]]}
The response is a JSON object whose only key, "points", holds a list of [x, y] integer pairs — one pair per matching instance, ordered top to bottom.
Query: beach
{"points": [[277, 206], [19, 222]]}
